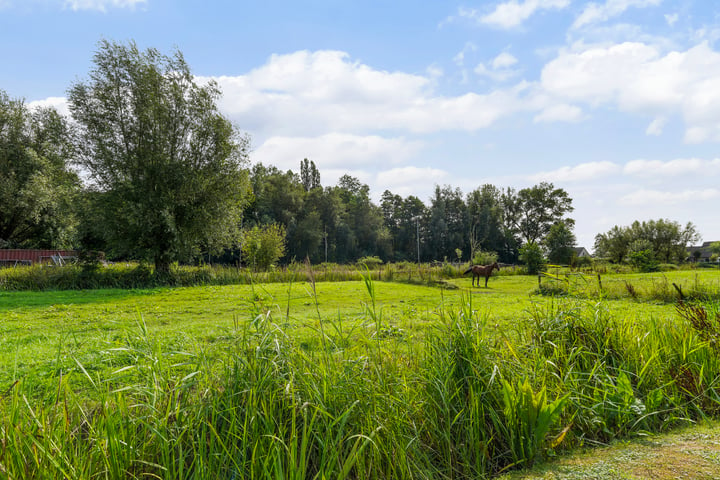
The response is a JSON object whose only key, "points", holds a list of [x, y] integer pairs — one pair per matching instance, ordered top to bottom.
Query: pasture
{"points": [[354, 379]]}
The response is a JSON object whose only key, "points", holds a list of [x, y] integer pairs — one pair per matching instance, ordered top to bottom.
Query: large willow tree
{"points": [[168, 167]]}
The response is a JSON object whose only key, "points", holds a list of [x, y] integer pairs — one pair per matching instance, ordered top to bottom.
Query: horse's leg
{"points": [[486, 279]]}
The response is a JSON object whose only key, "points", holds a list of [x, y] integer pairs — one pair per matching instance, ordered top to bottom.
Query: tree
{"points": [[169, 164], [309, 175], [37, 186], [533, 211], [447, 222], [487, 230], [361, 232], [666, 240], [560, 243], [613, 244], [263, 246], [715, 250], [642, 255], [532, 256]]}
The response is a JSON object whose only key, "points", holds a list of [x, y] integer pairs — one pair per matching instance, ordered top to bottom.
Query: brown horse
{"points": [[482, 271]]}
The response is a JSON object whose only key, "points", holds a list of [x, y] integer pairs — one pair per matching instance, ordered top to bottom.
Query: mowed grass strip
{"points": [[692, 453]]}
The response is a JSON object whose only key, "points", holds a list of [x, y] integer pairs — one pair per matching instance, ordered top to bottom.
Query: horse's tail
{"points": [[467, 271]]}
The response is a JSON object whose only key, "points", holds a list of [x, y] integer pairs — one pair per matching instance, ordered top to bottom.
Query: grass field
{"points": [[450, 376]]}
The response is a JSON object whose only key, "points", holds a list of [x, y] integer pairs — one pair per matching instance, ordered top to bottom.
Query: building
{"points": [[581, 252], [703, 256], [13, 257]]}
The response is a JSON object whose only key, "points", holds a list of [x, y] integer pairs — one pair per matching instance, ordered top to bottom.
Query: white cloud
{"points": [[75, 5], [102, 5], [595, 12], [513, 13], [671, 19], [459, 58], [504, 60], [498, 69], [639, 78], [309, 93], [58, 103], [561, 112], [656, 126], [335, 151], [673, 168], [579, 173], [410, 180], [669, 197]]}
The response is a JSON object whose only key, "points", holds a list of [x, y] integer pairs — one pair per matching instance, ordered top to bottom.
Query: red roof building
{"points": [[32, 257]]}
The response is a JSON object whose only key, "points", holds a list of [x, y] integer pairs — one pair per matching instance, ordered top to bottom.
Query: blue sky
{"points": [[616, 101]]}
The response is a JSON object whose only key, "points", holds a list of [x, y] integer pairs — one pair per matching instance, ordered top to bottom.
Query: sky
{"points": [[615, 101]]}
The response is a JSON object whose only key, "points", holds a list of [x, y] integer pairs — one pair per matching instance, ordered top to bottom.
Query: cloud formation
{"points": [[101, 5], [595, 12], [513, 13], [639, 78], [308, 93], [336, 151], [664, 197]]}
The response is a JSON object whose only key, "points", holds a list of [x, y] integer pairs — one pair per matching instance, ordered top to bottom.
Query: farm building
{"points": [[581, 252], [703, 256], [13, 257]]}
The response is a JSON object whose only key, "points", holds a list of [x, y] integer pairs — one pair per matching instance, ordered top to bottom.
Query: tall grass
{"points": [[130, 276], [650, 287], [471, 401]]}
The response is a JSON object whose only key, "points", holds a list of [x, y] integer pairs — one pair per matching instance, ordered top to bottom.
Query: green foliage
{"points": [[166, 165], [37, 186], [533, 211], [446, 228], [488, 229], [667, 241], [560, 244], [263, 246], [532, 256], [642, 256], [484, 258], [371, 262], [528, 419]]}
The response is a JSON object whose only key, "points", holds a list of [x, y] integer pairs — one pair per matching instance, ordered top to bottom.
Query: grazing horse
{"points": [[482, 271]]}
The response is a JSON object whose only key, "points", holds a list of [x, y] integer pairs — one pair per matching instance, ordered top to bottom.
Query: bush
{"points": [[263, 246], [532, 256], [484, 257], [370, 262]]}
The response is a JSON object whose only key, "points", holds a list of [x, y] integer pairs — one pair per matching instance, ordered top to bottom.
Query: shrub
{"points": [[263, 246], [532, 256], [484, 257], [371, 262]]}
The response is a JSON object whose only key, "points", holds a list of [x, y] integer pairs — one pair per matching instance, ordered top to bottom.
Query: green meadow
{"points": [[350, 379]]}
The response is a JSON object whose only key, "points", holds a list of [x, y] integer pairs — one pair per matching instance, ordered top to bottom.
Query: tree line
{"points": [[148, 168], [341, 223]]}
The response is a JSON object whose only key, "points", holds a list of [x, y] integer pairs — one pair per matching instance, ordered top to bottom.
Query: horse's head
{"points": [[495, 266]]}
